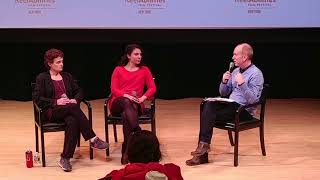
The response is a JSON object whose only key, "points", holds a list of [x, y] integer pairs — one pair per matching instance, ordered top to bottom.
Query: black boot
{"points": [[201, 149], [124, 154], [124, 159], [197, 160]]}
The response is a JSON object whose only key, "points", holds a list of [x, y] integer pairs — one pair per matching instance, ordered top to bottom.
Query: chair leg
{"points": [[90, 122], [153, 126], [106, 130], [115, 133], [37, 137], [230, 137], [78, 144], [236, 148], [263, 148], [91, 151], [43, 153]]}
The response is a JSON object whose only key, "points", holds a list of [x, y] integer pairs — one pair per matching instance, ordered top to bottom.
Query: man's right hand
{"points": [[226, 76]]}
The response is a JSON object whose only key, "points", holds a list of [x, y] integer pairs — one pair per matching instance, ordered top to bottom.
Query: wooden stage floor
{"points": [[292, 135]]}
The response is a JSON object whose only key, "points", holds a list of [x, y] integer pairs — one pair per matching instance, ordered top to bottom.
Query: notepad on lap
{"points": [[218, 99]]}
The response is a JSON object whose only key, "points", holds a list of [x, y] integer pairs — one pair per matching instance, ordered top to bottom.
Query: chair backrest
{"points": [[33, 85], [264, 92], [263, 99], [35, 111]]}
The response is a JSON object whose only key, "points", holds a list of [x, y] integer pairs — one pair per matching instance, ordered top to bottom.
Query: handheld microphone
{"points": [[231, 66], [134, 93]]}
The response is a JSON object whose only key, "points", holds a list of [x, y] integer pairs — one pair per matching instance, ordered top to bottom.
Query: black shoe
{"points": [[99, 144], [201, 149], [124, 159], [197, 160], [65, 164]]}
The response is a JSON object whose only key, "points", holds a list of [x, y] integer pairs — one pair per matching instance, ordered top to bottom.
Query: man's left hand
{"points": [[239, 79]]}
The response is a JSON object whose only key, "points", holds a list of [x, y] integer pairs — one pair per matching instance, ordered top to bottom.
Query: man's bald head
{"points": [[246, 50]]}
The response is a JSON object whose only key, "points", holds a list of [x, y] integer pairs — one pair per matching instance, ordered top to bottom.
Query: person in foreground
{"points": [[128, 81], [244, 86], [57, 93], [144, 155]]}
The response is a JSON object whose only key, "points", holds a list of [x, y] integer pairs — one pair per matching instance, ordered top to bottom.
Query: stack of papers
{"points": [[218, 99]]}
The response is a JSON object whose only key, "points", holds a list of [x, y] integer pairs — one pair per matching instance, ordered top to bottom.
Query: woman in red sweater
{"points": [[128, 81], [144, 156]]}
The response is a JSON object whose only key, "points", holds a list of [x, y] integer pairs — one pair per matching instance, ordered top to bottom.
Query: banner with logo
{"points": [[159, 14]]}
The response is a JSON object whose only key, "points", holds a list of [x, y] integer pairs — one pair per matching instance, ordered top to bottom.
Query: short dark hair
{"points": [[127, 51], [50, 55], [143, 147]]}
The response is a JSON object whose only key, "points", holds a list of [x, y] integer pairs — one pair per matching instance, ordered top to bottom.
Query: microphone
{"points": [[231, 66], [134, 93]]}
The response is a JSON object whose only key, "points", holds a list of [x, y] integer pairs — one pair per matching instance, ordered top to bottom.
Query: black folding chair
{"points": [[148, 117], [237, 125], [44, 127]]}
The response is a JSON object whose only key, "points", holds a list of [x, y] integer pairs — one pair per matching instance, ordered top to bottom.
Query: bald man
{"points": [[244, 86]]}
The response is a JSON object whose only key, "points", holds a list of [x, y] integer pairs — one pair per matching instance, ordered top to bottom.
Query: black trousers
{"points": [[215, 110], [129, 112], [76, 123]]}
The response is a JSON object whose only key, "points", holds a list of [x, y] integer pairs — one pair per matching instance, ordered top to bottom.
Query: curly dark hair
{"points": [[128, 50], [50, 55], [143, 147]]}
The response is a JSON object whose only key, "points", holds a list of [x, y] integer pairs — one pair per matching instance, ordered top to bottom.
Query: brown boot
{"points": [[201, 149], [197, 160]]}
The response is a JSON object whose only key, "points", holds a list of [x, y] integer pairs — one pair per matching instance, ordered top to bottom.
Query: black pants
{"points": [[214, 110], [129, 112], [76, 123]]}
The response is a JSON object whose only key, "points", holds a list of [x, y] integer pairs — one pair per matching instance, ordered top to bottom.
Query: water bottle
{"points": [[36, 158], [29, 159]]}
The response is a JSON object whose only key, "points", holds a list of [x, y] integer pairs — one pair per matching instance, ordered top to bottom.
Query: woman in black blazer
{"points": [[60, 96]]}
